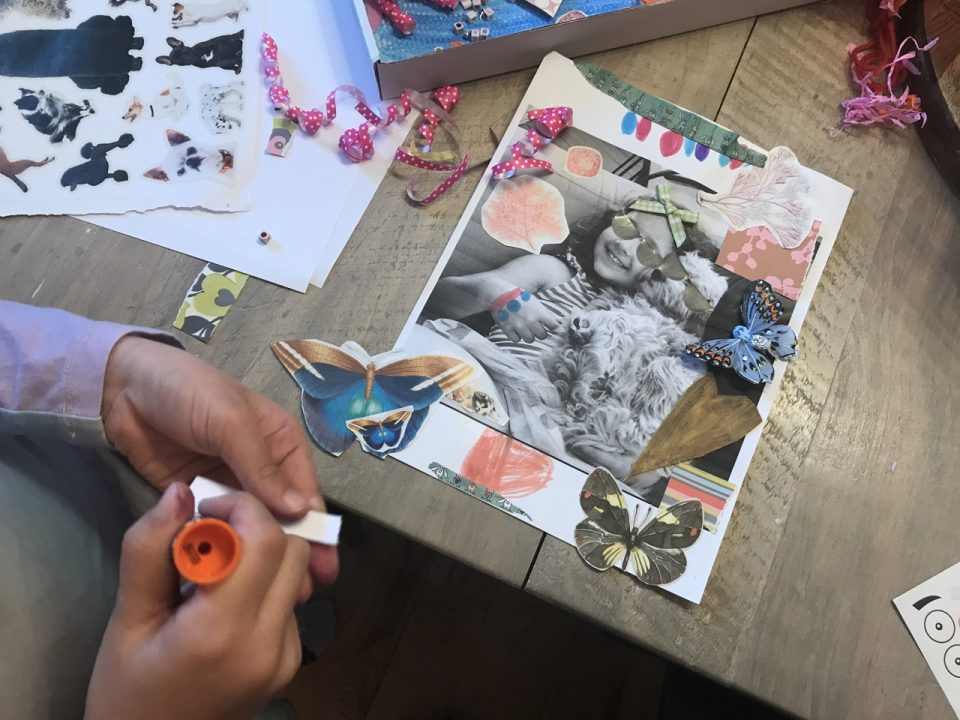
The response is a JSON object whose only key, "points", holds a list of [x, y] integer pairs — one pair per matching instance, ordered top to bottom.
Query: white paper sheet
{"points": [[143, 143], [309, 201], [448, 434], [931, 612]]}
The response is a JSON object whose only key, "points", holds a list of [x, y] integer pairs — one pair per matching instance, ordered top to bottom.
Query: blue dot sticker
{"points": [[628, 124], [513, 306]]}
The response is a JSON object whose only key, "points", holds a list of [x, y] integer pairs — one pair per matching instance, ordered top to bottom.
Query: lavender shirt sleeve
{"points": [[52, 366]]}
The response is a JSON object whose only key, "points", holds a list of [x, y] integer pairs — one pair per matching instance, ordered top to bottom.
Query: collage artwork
{"points": [[603, 337]]}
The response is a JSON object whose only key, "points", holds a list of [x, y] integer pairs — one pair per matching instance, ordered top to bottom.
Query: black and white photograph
{"points": [[576, 294]]}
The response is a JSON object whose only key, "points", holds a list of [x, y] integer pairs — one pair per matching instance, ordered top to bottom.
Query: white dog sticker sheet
{"points": [[120, 106], [591, 297], [931, 612]]}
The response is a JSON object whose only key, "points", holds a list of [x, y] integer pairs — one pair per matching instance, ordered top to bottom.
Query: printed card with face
{"points": [[931, 612]]}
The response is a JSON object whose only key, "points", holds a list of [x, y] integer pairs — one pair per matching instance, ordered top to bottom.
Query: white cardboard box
{"points": [[474, 60]]}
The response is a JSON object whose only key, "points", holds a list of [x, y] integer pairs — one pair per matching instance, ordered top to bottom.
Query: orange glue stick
{"points": [[206, 551]]}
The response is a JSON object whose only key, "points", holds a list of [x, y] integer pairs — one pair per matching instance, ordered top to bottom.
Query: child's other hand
{"points": [[533, 320], [222, 652]]}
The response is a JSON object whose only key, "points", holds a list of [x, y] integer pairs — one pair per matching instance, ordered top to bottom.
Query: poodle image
{"points": [[118, 3], [41, 8], [194, 12], [223, 51], [94, 55], [221, 107], [52, 115], [187, 161], [11, 168], [96, 169], [611, 376]]}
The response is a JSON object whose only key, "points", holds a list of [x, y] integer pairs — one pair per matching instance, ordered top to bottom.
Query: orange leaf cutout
{"points": [[525, 212], [502, 464]]}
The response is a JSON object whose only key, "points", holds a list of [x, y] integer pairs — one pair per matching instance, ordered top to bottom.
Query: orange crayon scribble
{"points": [[508, 467]]}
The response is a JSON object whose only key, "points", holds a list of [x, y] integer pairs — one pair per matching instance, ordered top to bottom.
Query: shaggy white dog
{"points": [[611, 377]]}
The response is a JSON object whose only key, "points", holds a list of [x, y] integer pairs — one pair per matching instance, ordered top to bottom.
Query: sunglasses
{"points": [[669, 265]]}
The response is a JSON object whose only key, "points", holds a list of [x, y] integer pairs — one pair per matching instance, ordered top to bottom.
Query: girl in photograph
{"points": [[533, 297], [587, 341]]}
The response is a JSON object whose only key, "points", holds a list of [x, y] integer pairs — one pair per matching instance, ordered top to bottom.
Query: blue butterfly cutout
{"points": [[747, 352], [344, 384], [384, 433]]}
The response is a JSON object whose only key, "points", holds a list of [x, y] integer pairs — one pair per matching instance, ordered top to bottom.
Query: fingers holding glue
{"points": [[149, 584]]}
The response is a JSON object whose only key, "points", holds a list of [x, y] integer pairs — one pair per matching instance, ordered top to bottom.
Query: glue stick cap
{"points": [[206, 551]]}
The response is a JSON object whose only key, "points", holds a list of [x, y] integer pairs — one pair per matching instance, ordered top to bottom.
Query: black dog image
{"points": [[118, 3], [225, 51], [95, 55], [52, 115], [95, 170]]}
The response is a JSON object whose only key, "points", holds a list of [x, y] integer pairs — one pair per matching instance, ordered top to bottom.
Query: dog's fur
{"points": [[148, 3], [40, 8], [194, 12], [223, 51], [170, 103], [221, 107], [52, 115], [186, 161], [11, 168], [96, 169], [612, 376]]}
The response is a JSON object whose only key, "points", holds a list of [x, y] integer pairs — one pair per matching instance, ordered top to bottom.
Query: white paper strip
{"points": [[315, 527]]}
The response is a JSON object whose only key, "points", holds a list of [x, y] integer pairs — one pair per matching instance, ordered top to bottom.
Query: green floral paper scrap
{"points": [[212, 294]]}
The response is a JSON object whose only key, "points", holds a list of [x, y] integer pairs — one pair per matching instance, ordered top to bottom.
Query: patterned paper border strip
{"points": [[683, 122], [449, 477], [690, 483]]}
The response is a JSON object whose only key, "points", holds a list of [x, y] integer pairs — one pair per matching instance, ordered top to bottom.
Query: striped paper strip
{"points": [[690, 483]]}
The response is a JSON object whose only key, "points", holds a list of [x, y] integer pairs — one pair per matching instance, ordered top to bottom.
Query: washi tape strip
{"points": [[683, 122], [465, 485]]}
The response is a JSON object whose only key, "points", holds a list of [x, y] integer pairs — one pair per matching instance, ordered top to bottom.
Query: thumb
{"points": [[149, 583]]}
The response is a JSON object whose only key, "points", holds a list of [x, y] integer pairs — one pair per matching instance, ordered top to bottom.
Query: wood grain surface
{"points": [[851, 485], [841, 509]]}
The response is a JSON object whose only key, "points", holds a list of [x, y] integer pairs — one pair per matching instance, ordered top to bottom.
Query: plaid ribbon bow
{"points": [[663, 205]]}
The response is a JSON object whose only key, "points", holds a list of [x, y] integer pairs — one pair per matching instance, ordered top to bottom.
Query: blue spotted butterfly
{"points": [[746, 352], [382, 400]]}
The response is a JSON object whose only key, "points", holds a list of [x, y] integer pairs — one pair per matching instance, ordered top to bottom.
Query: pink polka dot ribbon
{"points": [[402, 21], [548, 123], [357, 144]]}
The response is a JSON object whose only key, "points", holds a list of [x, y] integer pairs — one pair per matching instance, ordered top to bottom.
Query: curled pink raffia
{"points": [[890, 109], [548, 123], [357, 144]]}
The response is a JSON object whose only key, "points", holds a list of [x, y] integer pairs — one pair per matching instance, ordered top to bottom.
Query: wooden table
{"points": [[852, 485]]}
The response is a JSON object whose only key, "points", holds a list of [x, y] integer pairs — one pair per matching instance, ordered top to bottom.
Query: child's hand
{"points": [[532, 320], [175, 417], [222, 652]]}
